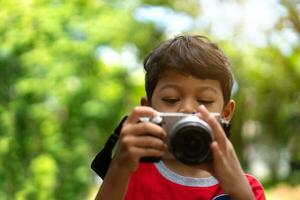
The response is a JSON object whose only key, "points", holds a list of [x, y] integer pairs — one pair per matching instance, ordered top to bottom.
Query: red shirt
{"points": [[157, 182]]}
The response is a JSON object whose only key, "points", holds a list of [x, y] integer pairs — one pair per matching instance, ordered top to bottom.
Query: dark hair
{"points": [[189, 54]]}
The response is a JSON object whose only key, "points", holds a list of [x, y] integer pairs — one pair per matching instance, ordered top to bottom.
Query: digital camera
{"points": [[188, 136]]}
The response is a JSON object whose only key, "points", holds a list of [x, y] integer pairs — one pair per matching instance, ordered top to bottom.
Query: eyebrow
{"points": [[167, 86], [204, 88], [201, 89]]}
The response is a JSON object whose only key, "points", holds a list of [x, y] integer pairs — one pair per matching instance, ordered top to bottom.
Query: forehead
{"points": [[173, 79]]}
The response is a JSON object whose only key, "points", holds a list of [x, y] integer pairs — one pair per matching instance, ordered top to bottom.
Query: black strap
{"points": [[226, 127], [102, 160]]}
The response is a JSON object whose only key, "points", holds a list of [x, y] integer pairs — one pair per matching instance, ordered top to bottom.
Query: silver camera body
{"points": [[188, 136]]}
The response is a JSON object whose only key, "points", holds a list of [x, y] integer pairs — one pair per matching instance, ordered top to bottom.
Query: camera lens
{"points": [[190, 142]]}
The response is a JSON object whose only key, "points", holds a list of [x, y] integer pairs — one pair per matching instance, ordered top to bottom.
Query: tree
{"points": [[59, 100]]}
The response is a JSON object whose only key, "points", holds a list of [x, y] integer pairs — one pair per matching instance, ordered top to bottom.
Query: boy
{"points": [[187, 74]]}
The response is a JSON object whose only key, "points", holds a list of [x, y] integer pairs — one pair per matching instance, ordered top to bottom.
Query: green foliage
{"points": [[58, 99], [269, 99]]}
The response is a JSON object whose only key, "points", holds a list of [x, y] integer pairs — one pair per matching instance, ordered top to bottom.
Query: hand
{"points": [[139, 139], [225, 165]]}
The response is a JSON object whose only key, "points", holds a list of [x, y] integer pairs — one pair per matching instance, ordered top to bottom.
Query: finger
{"points": [[140, 111], [144, 129], [218, 131], [143, 141], [149, 142], [130, 143], [216, 152], [139, 153], [152, 153], [131, 157], [219, 160], [220, 164]]}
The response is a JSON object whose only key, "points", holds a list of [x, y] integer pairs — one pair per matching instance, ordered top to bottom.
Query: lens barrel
{"points": [[190, 141]]}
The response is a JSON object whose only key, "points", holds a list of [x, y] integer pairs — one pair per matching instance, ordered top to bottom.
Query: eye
{"points": [[170, 100], [205, 102]]}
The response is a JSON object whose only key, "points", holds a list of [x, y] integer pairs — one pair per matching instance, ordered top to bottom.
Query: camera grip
{"points": [[150, 159]]}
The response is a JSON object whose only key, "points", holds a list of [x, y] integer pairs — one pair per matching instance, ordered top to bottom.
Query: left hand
{"points": [[225, 165]]}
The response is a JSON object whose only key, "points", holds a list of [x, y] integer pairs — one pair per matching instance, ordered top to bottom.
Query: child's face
{"points": [[176, 92]]}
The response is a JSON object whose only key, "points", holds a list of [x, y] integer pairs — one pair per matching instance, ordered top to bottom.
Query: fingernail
{"points": [[202, 107]]}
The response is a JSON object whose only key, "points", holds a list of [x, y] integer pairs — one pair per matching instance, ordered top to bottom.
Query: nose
{"points": [[188, 106]]}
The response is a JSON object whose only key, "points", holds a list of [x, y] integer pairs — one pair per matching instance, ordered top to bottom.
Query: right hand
{"points": [[139, 139]]}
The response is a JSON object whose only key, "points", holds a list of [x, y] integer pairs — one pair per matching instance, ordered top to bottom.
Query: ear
{"points": [[144, 101], [228, 110]]}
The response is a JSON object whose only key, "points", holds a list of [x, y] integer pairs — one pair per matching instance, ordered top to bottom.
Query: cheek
{"points": [[154, 103], [157, 105], [217, 106], [161, 107], [218, 109]]}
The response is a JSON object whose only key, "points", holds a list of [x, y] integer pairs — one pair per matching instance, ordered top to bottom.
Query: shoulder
{"points": [[253, 180], [257, 187]]}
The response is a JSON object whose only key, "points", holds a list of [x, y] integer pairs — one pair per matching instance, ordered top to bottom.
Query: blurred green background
{"points": [[69, 70]]}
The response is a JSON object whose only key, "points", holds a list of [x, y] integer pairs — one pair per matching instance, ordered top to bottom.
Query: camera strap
{"points": [[226, 127], [102, 160]]}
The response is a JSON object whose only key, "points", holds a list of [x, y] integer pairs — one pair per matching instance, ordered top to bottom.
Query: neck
{"points": [[195, 171]]}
